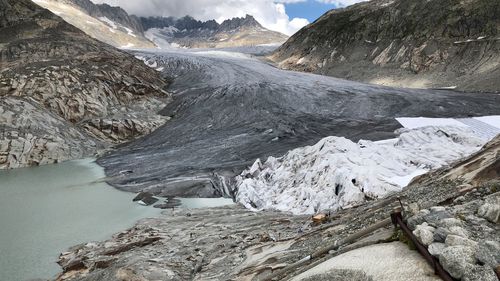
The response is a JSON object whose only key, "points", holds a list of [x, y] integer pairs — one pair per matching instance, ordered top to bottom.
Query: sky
{"points": [[286, 16]]}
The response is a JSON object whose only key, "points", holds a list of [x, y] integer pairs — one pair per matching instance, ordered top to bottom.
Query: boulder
{"points": [[142, 195], [148, 200], [490, 210], [417, 219], [450, 222], [458, 231], [424, 233], [440, 234], [455, 240], [436, 249], [488, 253], [456, 260], [479, 273]]}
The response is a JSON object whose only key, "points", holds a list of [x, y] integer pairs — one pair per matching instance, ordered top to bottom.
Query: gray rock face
{"points": [[115, 14], [111, 25], [382, 42], [65, 95], [490, 210], [467, 247], [489, 253], [456, 260], [480, 273]]}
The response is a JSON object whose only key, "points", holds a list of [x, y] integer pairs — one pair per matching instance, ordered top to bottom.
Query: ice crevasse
{"points": [[337, 173]]}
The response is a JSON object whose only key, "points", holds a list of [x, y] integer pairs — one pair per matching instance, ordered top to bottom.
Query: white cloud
{"points": [[341, 3], [270, 13]]}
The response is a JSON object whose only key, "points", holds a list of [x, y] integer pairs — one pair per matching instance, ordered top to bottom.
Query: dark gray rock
{"points": [[142, 195], [148, 200], [440, 234]]}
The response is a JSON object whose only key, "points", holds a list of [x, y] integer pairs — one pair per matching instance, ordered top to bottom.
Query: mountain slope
{"points": [[111, 25], [191, 33], [409, 43], [65, 95]]}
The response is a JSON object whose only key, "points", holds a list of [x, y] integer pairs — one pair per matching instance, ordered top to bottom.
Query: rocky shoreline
{"points": [[232, 243]]}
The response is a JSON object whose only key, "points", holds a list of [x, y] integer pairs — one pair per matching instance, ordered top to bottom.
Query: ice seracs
{"points": [[337, 173]]}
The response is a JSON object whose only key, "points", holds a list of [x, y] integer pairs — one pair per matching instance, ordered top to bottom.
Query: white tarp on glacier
{"points": [[338, 173]]}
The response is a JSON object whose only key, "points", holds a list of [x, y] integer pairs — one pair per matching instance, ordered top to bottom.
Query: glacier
{"points": [[338, 173]]}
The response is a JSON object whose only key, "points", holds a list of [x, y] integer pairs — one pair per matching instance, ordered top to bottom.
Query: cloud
{"points": [[340, 3], [270, 13]]}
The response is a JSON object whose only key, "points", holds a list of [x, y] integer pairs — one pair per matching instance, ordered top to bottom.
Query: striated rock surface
{"points": [[111, 25], [407, 43], [65, 95]]}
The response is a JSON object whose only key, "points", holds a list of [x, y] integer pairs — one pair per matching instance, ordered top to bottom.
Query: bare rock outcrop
{"points": [[418, 44], [65, 95]]}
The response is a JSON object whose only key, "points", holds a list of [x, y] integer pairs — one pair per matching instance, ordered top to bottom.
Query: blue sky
{"points": [[310, 10]]}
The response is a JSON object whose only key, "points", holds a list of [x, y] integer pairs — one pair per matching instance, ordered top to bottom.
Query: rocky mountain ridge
{"points": [[114, 13], [116, 27], [191, 33], [421, 44], [66, 95]]}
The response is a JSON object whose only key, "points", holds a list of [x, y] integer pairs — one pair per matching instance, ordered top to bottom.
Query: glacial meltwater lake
{"points": [[45, 210]]}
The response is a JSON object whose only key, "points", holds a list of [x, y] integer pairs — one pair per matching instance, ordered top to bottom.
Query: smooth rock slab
{"points": [[387, 262]]}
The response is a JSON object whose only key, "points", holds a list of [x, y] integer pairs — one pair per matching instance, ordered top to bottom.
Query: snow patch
{"points": [[109, 22], [129, 31], [128, 46], [337, 173]]}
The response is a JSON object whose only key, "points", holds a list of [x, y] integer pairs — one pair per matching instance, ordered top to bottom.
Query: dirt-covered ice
{"points": [[230, 109]]}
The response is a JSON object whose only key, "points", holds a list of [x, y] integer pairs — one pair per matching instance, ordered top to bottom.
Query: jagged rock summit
{"points": [[114, 26], [192, 33], [407, 43], [65, 95]]}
